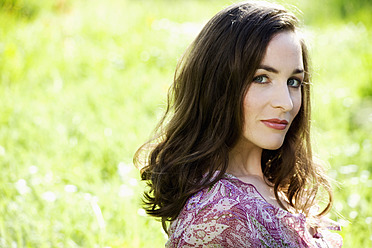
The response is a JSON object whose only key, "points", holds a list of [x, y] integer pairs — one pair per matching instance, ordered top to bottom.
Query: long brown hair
{"points": [[204, 116]]}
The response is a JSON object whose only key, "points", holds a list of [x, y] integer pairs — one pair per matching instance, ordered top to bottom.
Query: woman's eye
{"points": [[261, 79], [293, 82]]}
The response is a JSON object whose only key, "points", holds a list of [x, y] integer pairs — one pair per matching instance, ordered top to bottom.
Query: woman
{"points": [[231, 165]]}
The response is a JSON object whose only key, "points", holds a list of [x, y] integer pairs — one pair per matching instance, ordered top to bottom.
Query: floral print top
{"points": [[234, 214]]}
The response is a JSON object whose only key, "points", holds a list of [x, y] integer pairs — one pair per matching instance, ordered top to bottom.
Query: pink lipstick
{"points": [[276, 123]]}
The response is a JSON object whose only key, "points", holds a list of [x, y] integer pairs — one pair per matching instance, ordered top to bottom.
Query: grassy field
{"points": [[82, 84]]}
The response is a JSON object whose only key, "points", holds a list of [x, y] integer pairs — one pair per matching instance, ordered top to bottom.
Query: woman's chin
{"points": [[274, 146]]}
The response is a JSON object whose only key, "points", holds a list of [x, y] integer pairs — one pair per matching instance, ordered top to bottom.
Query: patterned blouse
{"points": [[232, 213]]}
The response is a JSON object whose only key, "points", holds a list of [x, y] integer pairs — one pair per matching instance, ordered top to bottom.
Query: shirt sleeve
{"points": [[226, 217], [220, 224]]}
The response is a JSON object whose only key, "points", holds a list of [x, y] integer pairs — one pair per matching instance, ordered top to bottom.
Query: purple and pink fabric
{"points": [[234, 214]]}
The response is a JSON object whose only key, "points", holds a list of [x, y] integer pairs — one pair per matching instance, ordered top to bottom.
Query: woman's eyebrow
{"points": [[268, 68], [273, 70], [298, 71]]}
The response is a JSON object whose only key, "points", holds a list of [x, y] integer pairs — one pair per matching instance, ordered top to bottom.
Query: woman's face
{"points": [[274, 97]]}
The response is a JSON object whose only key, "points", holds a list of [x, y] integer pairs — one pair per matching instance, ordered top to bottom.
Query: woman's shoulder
{"points": [[228, 187], [226, 194], [235, 196], [229, 212], [232, 213], [214, 216]]}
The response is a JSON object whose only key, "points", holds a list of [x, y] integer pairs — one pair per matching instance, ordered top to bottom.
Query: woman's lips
{"points": [[276, 124]]}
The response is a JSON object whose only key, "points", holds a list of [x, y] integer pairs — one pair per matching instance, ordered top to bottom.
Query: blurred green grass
{"points": [[82, 84]]}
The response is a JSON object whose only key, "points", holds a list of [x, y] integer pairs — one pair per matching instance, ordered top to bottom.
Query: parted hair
{"points": [[204, 116]]}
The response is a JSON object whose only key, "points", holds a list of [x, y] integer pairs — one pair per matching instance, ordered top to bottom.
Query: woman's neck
{"points": [[245, 160]]}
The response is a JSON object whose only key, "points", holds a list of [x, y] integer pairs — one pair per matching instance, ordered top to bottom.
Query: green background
{"points": [[83, 83]]}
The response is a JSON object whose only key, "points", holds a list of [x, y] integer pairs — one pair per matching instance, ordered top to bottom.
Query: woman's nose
{"points": [[282, 98]]}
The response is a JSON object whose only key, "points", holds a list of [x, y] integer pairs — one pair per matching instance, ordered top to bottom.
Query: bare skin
{"points": [[274, 94]]}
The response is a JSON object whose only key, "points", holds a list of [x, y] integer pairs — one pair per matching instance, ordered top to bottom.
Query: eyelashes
{"points": [[261, 79], [293, 82]]}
